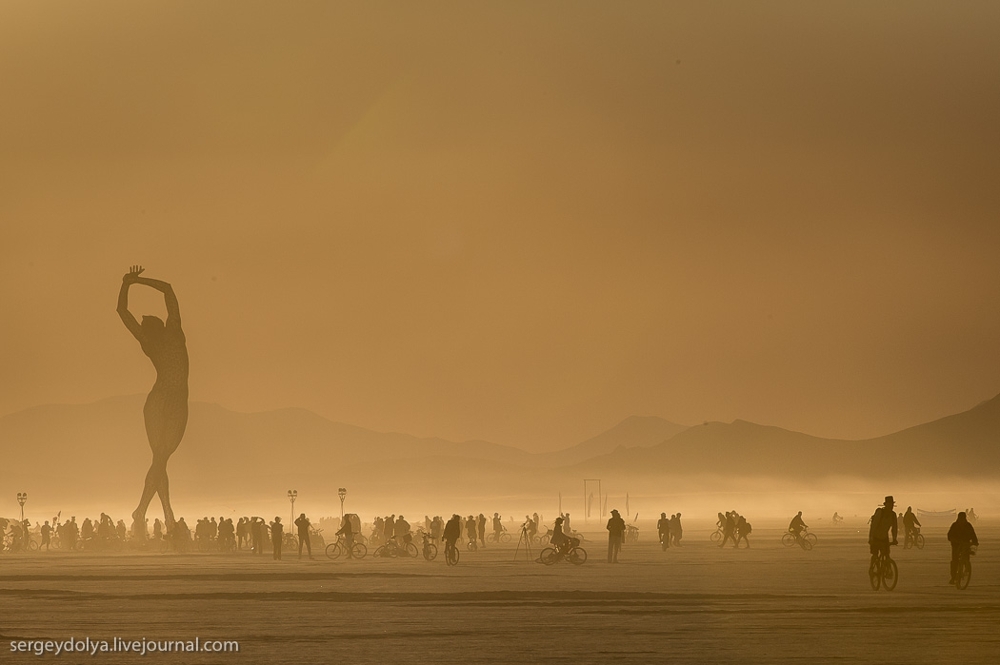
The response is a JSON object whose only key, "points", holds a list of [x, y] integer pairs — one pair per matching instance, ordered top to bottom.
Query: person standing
{"points": [[303, 526], [663, 531], [277, 533], [616, 534], [46, 535]]}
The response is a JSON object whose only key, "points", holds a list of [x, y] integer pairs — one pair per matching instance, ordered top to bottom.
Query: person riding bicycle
{"points": [[837, 519], [909, 521], [882, 522], [797, 526], [498, 527], [347, 531], [452, 532], [962, 537], [560, 540]]}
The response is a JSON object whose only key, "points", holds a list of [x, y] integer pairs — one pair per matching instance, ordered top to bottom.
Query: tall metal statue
{"points": [[166, 409]]}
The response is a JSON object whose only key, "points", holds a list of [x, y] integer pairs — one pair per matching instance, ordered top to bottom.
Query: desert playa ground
{"points": [[694, 604]]}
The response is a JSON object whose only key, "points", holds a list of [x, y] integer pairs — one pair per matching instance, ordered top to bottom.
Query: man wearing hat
{"points": [[883, 521], [616, 533]]}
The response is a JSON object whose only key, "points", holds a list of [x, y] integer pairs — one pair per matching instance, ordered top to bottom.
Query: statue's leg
{"points": [[154, 478], [164, 491]]}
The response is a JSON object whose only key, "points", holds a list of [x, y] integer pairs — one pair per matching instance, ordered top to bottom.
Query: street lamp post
{"points": [[342, 493], [292, 494], [22, 498]]}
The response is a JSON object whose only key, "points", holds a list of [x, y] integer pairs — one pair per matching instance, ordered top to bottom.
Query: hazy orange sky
{"points": [[520, 222]]}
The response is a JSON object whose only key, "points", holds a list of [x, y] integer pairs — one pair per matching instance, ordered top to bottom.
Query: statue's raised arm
{"points": [[128, 280]]}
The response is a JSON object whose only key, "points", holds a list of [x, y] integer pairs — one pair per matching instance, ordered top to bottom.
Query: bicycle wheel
{"points": [[717, 536], [504, 537], [811, 537], [787, 539], [918, 540], [907, 543], [806, 544], [204, 545], [32, 546], [472, 546], [333, 550], [410, 550], [359, 551], [379, 552], [430, 552], [452, 556], [547, 556], [577, 556], [874, 574], [964, 574], [890, 575]]}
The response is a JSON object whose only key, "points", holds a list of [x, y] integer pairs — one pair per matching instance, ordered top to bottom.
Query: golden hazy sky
{"points": [[518, 221]]}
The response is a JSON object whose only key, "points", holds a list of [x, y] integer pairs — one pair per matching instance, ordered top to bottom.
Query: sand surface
{"points": [[694, 604]]}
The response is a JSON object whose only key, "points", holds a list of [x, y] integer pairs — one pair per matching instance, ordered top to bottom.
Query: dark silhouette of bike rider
{"points": [[883, 521], [909, 521], [797, 526], [347, 531], [452, 532], [962, 537]]}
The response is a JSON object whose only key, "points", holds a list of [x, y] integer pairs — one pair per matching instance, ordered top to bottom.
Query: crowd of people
{"points": [[258, 535]]}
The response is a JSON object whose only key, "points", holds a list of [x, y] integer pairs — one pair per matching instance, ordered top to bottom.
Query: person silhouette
{"points": [[166, 409]]}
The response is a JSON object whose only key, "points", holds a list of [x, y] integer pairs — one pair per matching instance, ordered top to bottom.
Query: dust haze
{"points": [[572, 271]]}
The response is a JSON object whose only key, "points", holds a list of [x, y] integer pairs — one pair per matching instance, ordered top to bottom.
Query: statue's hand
{"points": [[133, 274]]}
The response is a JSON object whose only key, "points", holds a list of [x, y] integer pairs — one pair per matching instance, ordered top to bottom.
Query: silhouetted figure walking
{"points": [[166, 408], [303, 526], [676, 530], [663, 531], [277, 533], [616, 534]]}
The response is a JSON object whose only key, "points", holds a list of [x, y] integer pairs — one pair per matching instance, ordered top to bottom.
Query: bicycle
{"points": [[717, 534], [498, 537], [804, 539], [913, 539], [473, 547], [392, 549], [429, 549], [335, 550], [571, 552], [451, 553], [883, 572], [963, 572]]}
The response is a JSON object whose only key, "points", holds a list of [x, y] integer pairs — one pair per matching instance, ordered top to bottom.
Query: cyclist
{"points": [[837, 519], [909, 521], [882, 522], [797, 526], [498, 527], [347, 531], [452, 532], [962, 536], [560, 540]]}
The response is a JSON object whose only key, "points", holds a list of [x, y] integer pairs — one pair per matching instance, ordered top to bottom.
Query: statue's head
{"points": [[152, 324]]}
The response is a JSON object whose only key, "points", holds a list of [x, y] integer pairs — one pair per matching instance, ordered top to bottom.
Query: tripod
{"points": [[526, 539]]}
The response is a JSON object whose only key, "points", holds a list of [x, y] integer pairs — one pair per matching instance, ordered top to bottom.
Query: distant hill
{"points": [[633, 432], [965, 444]]}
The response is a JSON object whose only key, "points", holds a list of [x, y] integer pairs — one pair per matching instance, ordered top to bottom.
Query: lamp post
{"points": [[342, 493], [292, 494], [22, 498]]}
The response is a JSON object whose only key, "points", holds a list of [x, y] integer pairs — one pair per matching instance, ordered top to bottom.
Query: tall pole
{"points": [[342, 493], [292, 495], [22, 498]]}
